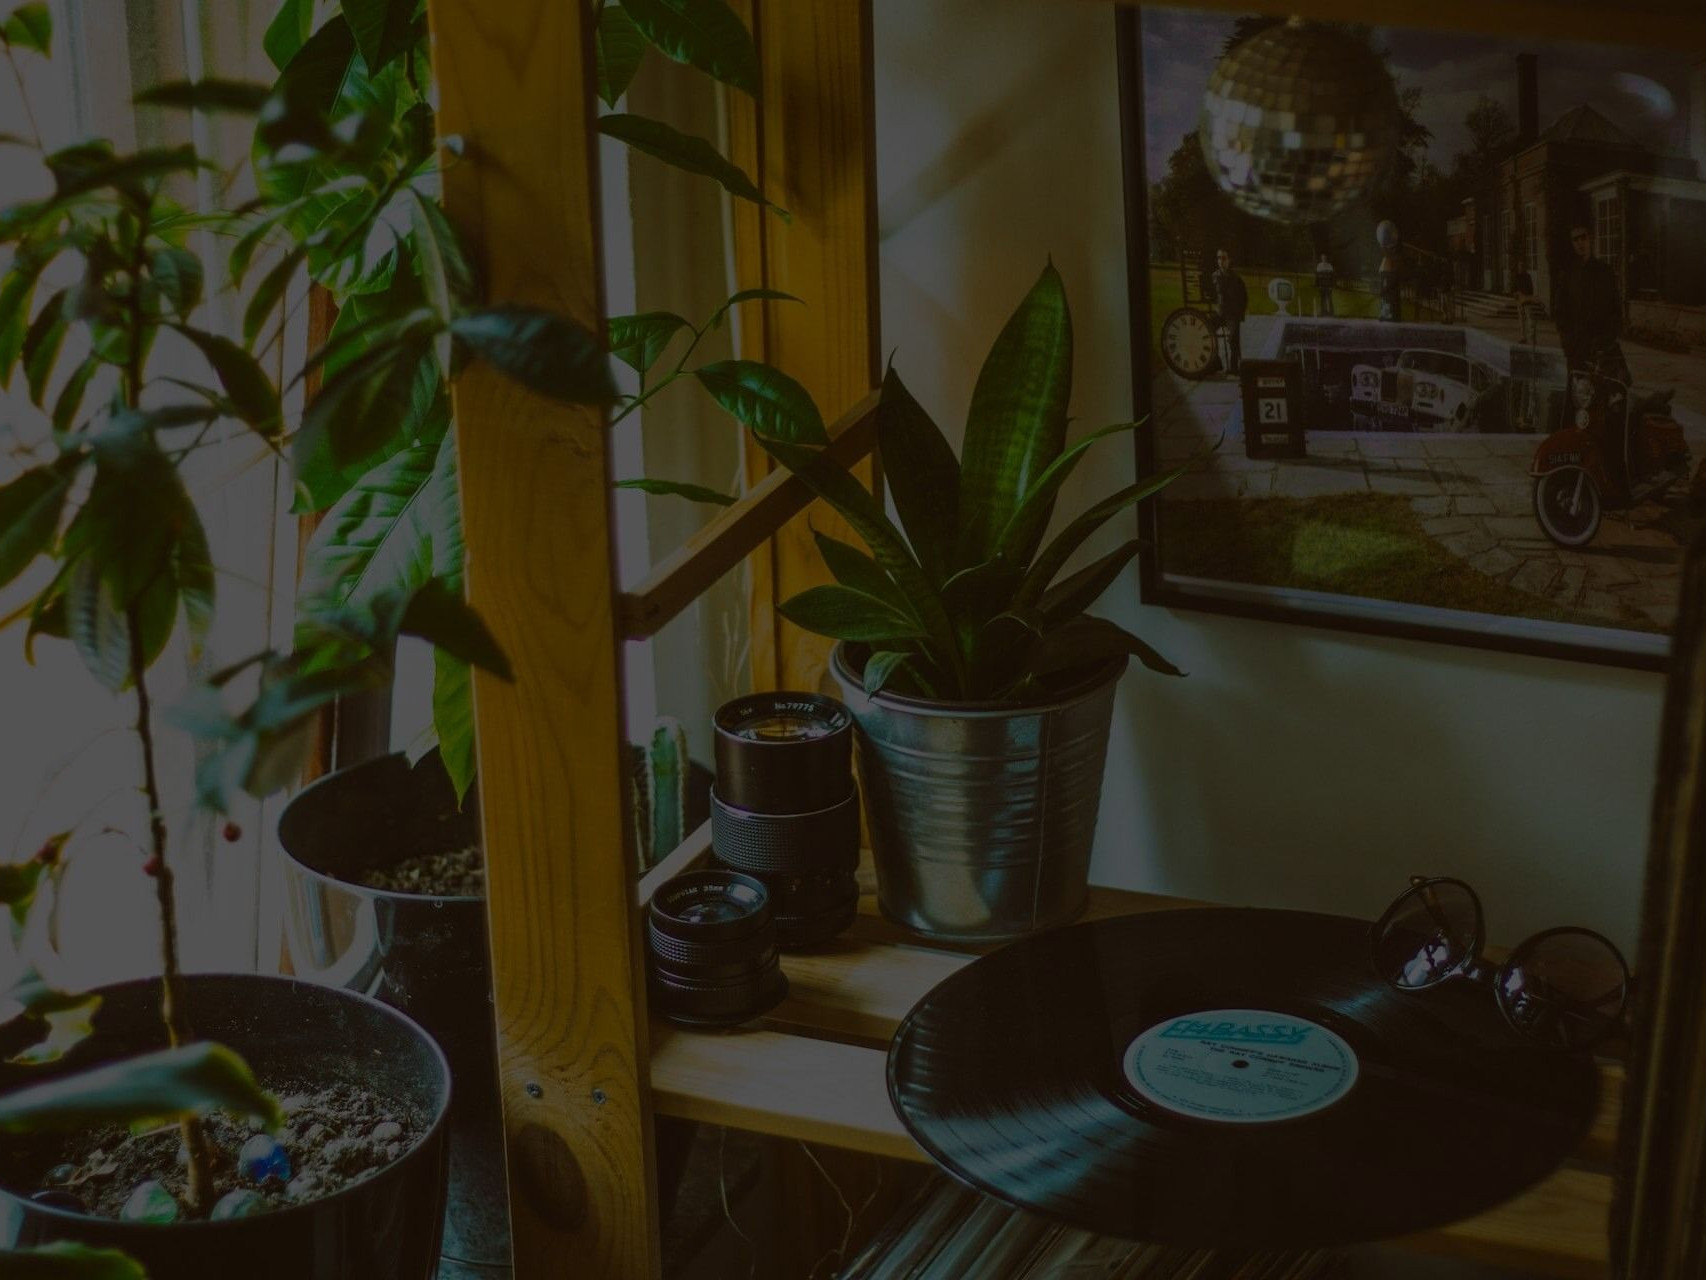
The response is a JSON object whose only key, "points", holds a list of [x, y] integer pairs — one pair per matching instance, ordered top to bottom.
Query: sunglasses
{"points": [[1565, 987]]}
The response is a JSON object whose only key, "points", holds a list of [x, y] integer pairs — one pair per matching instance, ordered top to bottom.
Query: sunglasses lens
{"points": [[1426, 935], [1566, 988]]}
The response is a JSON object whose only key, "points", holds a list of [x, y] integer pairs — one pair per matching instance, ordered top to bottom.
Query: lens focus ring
{"points": [[799, 843]]}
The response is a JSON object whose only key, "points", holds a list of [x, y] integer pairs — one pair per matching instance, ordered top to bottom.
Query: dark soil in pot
{"points": [[385, 895], [365, 1200]]}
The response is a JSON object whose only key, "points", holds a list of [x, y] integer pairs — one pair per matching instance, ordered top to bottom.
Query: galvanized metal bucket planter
{"points": [[981, 815]]}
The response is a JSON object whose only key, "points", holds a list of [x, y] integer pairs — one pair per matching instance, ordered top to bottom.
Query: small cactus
{"points": [[659, 791]]}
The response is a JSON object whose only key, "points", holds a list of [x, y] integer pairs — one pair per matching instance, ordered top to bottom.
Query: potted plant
{"points": [[982, 689], [211, 1124]]}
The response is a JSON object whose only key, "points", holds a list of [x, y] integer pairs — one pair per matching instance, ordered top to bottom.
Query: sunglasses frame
{"points": [[1472, 967]]}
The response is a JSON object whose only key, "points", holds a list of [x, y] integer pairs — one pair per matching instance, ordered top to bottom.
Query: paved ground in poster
{"points": [[1470, 492]]}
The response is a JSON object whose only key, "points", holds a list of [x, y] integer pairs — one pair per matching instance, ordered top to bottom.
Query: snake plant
{"points": [[965, 601]]}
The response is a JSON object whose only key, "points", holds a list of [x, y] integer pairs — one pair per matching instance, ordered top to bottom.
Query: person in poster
{"points": [[1325, 278], [1231, 305], [1588, 310]]}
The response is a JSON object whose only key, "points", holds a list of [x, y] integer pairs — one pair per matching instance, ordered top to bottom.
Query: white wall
{"points": [[1294, 767]]}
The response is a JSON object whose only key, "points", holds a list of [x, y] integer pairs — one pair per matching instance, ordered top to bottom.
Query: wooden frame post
{"points": [[516, 85], [809, 143]]}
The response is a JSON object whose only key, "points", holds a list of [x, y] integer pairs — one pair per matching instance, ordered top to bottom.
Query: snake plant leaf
{"points": [[29, 26], [705, 34], [619, 50], [685, 151], [638, 340], [542, 350], [767, 400], [1016, 425], [923, 475], [836, 486], [679, 489], [30, 507], [1023, 533], [1052, 559], [855, 570], [1070, 596], [846, 614], [1084, 642], [882, 667], [169, 1084], [65, 1260]]}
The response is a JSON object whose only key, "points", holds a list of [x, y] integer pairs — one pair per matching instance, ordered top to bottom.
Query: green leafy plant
{"points": [[103, 499], [968, 602]]}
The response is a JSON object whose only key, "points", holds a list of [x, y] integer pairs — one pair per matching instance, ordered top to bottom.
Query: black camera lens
{"points": [[784, 752], [785, 810], [711, 941]]}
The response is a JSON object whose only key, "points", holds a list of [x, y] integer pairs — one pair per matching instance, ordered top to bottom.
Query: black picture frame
{"points": [[1533, 637]]}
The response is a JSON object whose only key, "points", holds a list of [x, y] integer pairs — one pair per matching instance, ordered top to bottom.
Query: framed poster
{"points": [[1442, 297]]}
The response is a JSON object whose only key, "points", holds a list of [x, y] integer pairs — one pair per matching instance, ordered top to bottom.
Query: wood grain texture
{"points": [[1657, 23], [515, 84], [810, 147], [740, 530]]}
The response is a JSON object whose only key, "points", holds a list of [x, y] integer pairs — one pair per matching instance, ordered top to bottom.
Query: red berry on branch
{"points": [[232, 833], [152, 866]]}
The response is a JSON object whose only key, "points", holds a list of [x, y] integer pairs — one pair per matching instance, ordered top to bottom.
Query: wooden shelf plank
{"points": [[684, 575], [787, 1086]]}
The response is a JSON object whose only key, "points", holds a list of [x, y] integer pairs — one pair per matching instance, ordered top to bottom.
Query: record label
{"points": [[1240, 1066]]}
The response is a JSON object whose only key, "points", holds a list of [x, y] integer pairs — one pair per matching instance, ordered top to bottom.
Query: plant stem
{"points": [[174, 1011]]}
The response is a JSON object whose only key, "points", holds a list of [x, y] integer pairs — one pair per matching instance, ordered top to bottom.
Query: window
{"points": [[1608, 228], [1530, 237]]}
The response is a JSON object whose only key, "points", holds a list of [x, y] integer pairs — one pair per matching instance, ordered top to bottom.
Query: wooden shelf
{"points": [[815, 1071]]}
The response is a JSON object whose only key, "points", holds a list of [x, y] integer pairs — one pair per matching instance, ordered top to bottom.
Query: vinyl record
{"points": [[1239, 1078]]}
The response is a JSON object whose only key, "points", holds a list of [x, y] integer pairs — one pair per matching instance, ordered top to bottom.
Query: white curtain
{"points": [[67, 756]]}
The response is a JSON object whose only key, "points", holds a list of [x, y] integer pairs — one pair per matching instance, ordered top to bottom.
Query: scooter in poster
{"points": [[1620, 449]]}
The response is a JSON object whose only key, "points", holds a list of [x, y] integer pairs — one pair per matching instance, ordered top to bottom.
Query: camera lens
{"points": [[785, 810], [711, 941]]}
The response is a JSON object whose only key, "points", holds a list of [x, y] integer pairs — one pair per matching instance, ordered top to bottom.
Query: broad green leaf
{"points": [[30, 26], [381, 28], [288, 32], [702, 33], [620, 50], [321, 69], [236, 97], [684, 151], [179, 274], [445, 275], [269, 292], [17, 294], [747, 295], [638, 340], [42, 344], [544, 351], [245, 382], [70, 398], [767, 400], [366, 404], [1017, 422], [923, 475], [836, 486], [679, 489], [30, 507], [1024, 530], [379, 538], [1052, 559], [853, 569], [193, 575], [1072, 595], [848, 615], [441, 616], [47, 618], [97, 626], [1084, 642], [880, 668], [453, 718], [19, 881], [66, 1021], [190, 1080], [65, 1260]]}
